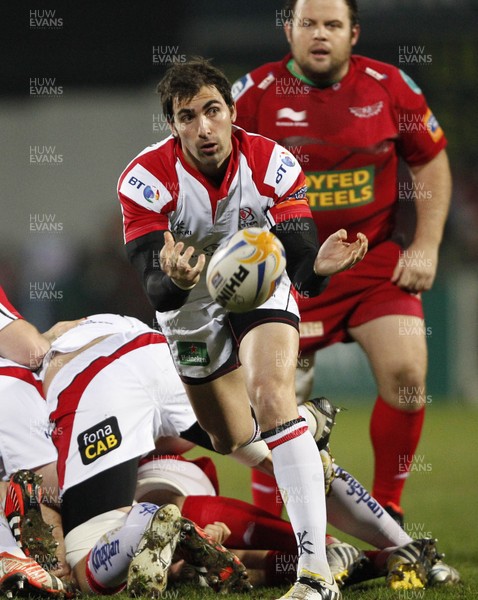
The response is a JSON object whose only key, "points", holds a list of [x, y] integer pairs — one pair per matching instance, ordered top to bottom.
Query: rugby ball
{"points": [[245, 272]]}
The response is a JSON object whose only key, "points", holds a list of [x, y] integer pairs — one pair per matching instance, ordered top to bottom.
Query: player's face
{"points": [[321, 38], [204, 126]]}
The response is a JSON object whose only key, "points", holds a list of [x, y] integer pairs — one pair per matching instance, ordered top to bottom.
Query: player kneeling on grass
{"points": [[100, 381], [24, 444]]}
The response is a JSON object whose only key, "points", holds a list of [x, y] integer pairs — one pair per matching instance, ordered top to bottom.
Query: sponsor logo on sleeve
{"points": [[241, 86], [432, 126], [287, 161], [143, 187], [332, 190], [101, 439]]}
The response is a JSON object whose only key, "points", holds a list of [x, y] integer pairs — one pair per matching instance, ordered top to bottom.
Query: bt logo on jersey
{"points": [[135, 182], [150, 192]]}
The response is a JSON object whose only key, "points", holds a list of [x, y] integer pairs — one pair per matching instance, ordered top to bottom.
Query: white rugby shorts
{"points": [[199, 336], [112, 401], [25, 441]]}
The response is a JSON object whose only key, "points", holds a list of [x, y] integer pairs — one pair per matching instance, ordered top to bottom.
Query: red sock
{"points": [[395, 435], [265, 493], [251, 527]]}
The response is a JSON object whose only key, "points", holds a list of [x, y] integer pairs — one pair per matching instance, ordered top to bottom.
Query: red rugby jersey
{"points": [[347, 137]]}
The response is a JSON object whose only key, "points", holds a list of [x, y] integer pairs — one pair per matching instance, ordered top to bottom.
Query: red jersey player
{"points": [[348, 119]]}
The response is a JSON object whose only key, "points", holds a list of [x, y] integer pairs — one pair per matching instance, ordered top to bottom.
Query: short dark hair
{"points": [[352, 4], [183, 81]]}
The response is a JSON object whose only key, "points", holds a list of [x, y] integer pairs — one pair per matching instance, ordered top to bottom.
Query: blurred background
{"points": [[78, 102]]}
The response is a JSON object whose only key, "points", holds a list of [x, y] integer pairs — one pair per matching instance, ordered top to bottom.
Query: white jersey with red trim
{"points": [[263, 186], [159, 190], [8, 313], [89, 329], [113, 399], [25, 441]]}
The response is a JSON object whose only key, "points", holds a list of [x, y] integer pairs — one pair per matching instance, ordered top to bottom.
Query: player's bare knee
{"points": [[406, 388], [226, 442], [224, 446]]}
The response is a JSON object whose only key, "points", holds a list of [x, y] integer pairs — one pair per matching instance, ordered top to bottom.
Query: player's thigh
{"points": [[396, 348], [222, 408]]}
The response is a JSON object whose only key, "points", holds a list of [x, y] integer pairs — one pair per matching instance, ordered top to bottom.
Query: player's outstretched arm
{"points": [[336, 254], [61, 328], [21, 342]]}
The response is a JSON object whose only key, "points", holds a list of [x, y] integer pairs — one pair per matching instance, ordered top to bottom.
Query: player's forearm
{"points": [[433, 181], [143, 254], [163, 293], [23, 343]]}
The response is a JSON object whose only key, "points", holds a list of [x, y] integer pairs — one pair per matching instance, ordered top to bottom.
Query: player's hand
{"points": [[336, 254], [175, 262], [416, 268], [60, 328], [218, 531]]}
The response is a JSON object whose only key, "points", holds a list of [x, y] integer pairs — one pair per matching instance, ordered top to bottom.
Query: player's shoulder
{"points": [[393, 79], [258, 80], [253, 145], [157, 158], [272, 165], [150, 179], [8, 312]]}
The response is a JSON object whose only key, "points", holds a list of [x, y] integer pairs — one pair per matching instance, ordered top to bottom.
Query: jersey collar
{"points": [[215, 192]]}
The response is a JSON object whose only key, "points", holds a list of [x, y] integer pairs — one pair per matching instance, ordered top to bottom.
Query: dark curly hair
{"points": [[183, 81]]}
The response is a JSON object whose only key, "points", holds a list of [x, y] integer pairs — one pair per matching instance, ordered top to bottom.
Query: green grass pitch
{"points": [[440, 498]]}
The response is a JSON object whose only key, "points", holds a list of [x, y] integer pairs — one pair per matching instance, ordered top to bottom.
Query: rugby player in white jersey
{"points": [[202, 184], [111, 390], [26, 455]]}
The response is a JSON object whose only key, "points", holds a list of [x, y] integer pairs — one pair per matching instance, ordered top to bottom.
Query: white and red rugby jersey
{"points": [[264, 185], [7, 312], [8, 368]]}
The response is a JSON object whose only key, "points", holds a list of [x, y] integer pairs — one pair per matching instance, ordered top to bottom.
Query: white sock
{"points": [[300, 477], [352, 509], [7, 541], [109, 559]]}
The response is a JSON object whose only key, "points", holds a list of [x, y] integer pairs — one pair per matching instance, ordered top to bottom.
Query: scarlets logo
{"points": [[365, 112]]}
